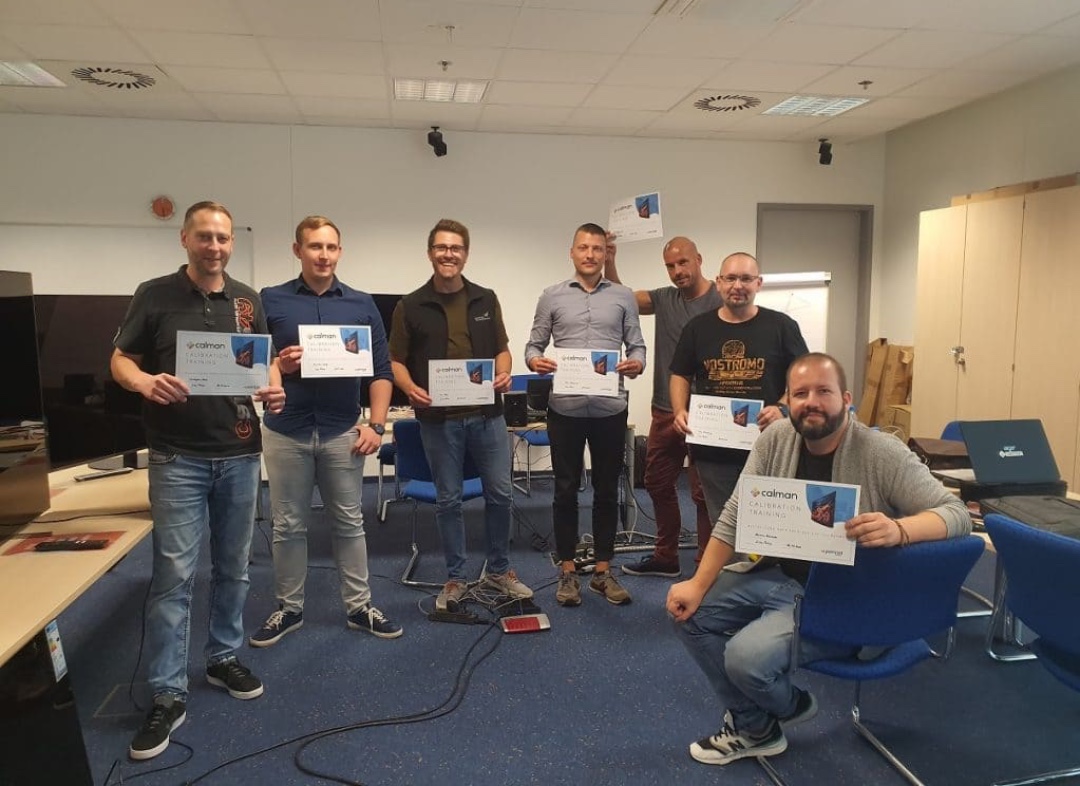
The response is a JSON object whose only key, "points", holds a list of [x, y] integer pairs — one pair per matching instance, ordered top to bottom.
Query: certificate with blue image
{"points": [[336, 351], [222, 364]]}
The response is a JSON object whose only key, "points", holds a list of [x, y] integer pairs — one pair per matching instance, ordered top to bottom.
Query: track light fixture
{"points": [[435, 139], [824, 152]]}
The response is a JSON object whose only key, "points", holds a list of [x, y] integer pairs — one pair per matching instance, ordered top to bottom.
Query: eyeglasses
{"points": [[443, 249], [746, 280]]}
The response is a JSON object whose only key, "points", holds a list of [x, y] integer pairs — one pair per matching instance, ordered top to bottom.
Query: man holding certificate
{"points": [[588, 319], [327, 335], [448, 351], [733, 361], [204, 462], [737, 621]]}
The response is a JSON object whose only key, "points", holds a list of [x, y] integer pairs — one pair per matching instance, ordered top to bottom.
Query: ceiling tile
{"points": [[633, 7], [67, 12], [859, 13], [193, 16], [997, 17], [354, 20], [426, 22], [1070, 28], [575, 31], [679, 37], [68, 42], [792, 43], [203, 49], [932, 49], [9, 51], [1030, 54], [328, 55], [423, 60], [531, 65], [653, 71], [751, 75], [227, 80], [844, 81], [335, 85], [966, 85], [541, 94], [623, 97], [53, 100], [250, 108], [358, 108], [903, 108], [429, 113], [502, 117], [610, 118], [695, 120], [344, 121], [774, 126], [845, 127]]}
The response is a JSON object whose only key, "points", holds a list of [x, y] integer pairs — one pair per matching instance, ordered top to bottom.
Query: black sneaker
{"points": [[651, 566], [373, 621], [277, 625], [235, 678], [805, 708], [165, 717], [729, 745]]}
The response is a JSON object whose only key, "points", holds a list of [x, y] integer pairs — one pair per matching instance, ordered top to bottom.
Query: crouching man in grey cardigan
{"points": [[737, 620]]}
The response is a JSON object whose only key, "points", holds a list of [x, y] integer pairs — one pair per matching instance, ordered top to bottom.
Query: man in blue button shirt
{"points": [[318, 439]]}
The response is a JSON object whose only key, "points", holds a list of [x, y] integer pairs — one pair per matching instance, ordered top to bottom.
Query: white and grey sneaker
{"points": [[507, 584], [729, 745]]}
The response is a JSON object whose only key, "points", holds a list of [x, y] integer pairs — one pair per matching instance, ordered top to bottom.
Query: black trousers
{"points": [[605, 437]]}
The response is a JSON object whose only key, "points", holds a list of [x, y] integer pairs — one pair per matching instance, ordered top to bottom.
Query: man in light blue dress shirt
{"points": [[587, 311]]}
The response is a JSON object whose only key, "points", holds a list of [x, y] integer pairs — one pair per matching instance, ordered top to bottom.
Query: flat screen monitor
{"points": [[386, 305], [90, 416], [24, 466]]}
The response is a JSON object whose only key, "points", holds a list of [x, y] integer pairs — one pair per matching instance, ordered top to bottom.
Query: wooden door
{"points": [[988, 308], [937, 319], [1046, 382]]}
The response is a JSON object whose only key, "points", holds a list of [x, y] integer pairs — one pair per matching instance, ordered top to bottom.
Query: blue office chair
{"points": [[952, 431], [533, 438], [387, 457], [419, 487], [1042, 588], [891, 600]]}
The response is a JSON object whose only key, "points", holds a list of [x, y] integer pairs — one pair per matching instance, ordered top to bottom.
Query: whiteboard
{"points": [[68, 259], [805, 298]]}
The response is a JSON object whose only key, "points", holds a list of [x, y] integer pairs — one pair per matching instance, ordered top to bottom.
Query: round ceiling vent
{"points": [[117, 78], [726, 103]]}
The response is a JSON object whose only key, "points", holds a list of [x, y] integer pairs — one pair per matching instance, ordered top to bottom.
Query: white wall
{"points": [[1027, 133], [521, 195]]}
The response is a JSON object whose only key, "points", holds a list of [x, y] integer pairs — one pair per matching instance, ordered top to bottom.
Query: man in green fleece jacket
{"points": [[737, 621]]}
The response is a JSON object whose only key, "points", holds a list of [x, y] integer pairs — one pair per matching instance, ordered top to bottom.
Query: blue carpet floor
{"points": [[607, 696]]}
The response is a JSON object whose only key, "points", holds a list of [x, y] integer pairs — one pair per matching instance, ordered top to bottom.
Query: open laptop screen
{"points": [[1009, 451]]}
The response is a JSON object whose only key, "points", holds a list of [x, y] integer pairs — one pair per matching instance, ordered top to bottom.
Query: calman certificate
{"points": [[336, 351], [222, 364], [586, 372], [461, 383], [723, 422], [784, 517]]}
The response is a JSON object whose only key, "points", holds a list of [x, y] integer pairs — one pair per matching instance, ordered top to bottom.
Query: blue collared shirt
{"points": [[606, 318], [332, 405]]}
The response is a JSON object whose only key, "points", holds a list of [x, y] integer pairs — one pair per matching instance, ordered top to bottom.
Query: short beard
{"points": [[830, 426]]}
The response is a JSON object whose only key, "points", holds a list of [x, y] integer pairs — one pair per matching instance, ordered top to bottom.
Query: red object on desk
{"points": [[28, 542]]}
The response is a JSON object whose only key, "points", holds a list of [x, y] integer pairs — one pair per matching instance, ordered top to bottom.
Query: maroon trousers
{"points": [[664, 457]]}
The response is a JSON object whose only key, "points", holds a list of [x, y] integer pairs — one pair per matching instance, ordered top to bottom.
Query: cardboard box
{"points": [[876, 352], [898, 420]]}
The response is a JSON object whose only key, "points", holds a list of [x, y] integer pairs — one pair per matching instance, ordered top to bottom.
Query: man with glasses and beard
{"points": [[737, 621]]}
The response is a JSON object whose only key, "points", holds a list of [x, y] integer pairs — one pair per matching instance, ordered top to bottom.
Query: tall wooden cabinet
{"points": [[997, 316]]}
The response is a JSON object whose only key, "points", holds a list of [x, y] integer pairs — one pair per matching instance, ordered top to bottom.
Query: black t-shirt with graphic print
{"points": [[202, 426]]}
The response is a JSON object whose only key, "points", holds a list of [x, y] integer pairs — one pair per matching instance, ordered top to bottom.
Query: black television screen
{"points": [[386, 305], [89, 415], [24, 467]]}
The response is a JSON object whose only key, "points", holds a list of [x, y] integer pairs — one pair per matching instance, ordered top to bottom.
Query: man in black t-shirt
{"points": [[741, 350], [204, 468]]}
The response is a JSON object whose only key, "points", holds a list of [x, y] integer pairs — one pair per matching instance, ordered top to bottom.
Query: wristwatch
{"points": [[378, 428]]}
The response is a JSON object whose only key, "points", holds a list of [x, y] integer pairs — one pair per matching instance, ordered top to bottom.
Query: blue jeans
{"points": [[486, 442], [294, 465], [187, 496], [741, 635]]}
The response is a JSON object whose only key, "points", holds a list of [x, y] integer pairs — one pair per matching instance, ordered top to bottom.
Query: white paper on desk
{"points": [[636, 218], [336, 351], [222, 364], [585, 372], [461, 383], [723, 422], [784, 517]]}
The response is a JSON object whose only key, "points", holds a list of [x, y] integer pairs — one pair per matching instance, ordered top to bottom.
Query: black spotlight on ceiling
{"points": [[434, 138], [824, 152]]}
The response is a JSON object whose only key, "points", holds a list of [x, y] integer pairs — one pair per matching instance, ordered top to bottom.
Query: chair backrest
{"points": [[520, 382], [952, 431], [412, 463], [1042, 572], [890, 595]]}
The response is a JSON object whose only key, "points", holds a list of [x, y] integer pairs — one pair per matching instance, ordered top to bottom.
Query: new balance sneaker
{"points": [[651, 566], [507, 584], [606, 585], [569, 591], [450, 597], [373, 621], [277, 625], [234, 677], [805, 708], [165, 717], [729, 745]]}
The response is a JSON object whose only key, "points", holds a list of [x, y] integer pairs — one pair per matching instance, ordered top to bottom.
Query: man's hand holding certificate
{"points": [[336, 351], [222, 364], [586, 372], [461, 383], [723, 422], [784, 517]]}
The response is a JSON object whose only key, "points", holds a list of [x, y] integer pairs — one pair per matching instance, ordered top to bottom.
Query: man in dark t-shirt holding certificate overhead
{"points": [[740, 351]]}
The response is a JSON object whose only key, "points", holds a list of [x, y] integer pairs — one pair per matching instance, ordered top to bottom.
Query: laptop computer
{"points": [[1009, 457]]}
